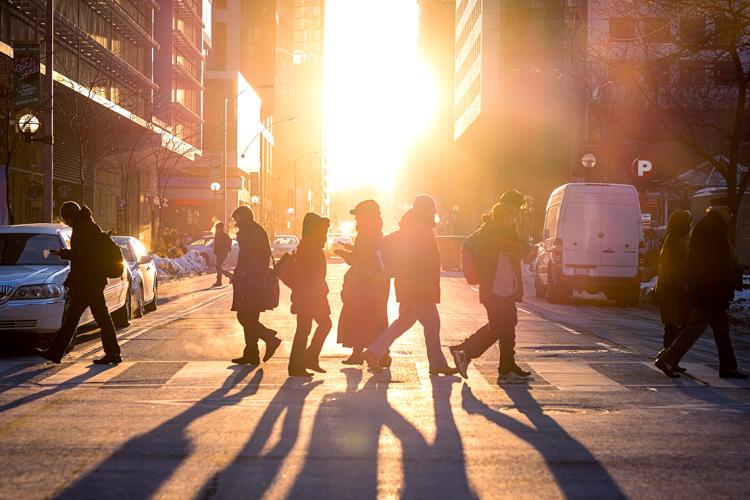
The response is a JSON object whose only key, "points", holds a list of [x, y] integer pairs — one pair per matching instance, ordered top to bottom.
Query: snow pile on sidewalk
{"points": [[190, 264]]}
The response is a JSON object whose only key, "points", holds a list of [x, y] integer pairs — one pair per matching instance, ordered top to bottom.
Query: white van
{"points": [[592, 241]]}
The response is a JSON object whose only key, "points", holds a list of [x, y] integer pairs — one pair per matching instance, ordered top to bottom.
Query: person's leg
{"points": [[219, 264], [75, 304], [99, 310], [428, 315], [406, 319], [249, 321], [506, 321], [696, 325], [720, 327], [671, 331], [485, 337], [319, 338], [299, 344]]}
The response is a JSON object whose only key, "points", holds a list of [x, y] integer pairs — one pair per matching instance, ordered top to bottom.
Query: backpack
{"points": [[110, 257], [469, 260]]}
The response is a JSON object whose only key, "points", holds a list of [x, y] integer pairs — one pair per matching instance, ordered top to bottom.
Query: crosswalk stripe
{"points": [[6, 365], [77, 372], [198, 372], [574, 376], [711, 376]]}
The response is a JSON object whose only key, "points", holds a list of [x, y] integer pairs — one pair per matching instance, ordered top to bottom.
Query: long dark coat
{"points": [[491, 240], [84, 253], [252, 267], [710, 283], [671, 288], [310, 290], [364, 315]]}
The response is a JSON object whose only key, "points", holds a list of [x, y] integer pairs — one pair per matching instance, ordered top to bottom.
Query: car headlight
{"points": [[37, 292]]}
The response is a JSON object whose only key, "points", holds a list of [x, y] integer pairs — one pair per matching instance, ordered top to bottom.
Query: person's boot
{"points": [[271, 347], [49, 355], [354, 359], [461, 359], [108, 360], [386, 360], [373, 362], [313, 363], [446, 370], [733, 374]]}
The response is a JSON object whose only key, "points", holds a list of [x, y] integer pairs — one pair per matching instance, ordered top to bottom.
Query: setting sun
{"points": [[378, 96]]}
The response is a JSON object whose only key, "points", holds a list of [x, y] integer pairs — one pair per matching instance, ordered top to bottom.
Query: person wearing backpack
{"points": [[222, 246], [497, 252], [84, 286], [310, 297]]}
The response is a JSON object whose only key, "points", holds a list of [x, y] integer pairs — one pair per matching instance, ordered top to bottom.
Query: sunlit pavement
{"points": [[177, 420]]}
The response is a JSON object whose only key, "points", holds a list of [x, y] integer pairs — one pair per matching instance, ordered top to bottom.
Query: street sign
{"points": [[27, 75], [641, 168]]}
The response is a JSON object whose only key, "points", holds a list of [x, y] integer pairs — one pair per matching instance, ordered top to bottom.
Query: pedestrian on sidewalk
{"points": [[222, 246], [498, 251], [414, 258], [711, 284], [84, 286], [671, 287], [251, 291], [310, 297], [364, 315]]}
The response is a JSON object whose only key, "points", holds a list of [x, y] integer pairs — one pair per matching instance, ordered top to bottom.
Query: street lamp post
{"points": [[224, 152], [296, 160]]}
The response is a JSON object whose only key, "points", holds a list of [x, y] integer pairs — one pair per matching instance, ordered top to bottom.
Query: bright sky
{"points": [[376, 95]]}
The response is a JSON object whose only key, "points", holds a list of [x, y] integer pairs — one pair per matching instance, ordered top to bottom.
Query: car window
{"points": [[285, 241], [29, 249], [125, 249], [140, 250]]}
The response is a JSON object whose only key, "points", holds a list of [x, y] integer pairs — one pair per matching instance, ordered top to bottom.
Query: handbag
{"points": [[286, 269], [267, 288]]}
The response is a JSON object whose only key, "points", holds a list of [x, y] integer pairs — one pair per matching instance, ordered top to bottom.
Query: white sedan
{"points": [[205, 247], [144, 289], [32, 295]]}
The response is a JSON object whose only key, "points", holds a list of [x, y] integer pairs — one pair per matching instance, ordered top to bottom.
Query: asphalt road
{"points": [[177, 420]]}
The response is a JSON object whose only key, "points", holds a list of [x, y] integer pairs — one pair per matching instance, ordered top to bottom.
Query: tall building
{"points": [[299, 183]]}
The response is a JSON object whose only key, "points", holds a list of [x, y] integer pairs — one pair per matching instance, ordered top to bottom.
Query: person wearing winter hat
{"points": [[413, 257], [84, 286], [310, 297]]}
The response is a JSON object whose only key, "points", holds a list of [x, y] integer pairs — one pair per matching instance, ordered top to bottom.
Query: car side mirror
{"points": [[146, 259]]}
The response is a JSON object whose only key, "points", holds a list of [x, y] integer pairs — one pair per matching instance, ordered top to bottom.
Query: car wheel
{"points": [[205, 258], [151, 306], [139, 309], [121, 317]]}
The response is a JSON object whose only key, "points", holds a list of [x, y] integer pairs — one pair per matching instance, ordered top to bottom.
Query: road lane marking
{"points": [[156, 323], [103, 373], [574, 376]]}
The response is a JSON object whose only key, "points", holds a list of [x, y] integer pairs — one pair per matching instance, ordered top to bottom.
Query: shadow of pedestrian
{"points": [[146, 462], [576, 470], [252, 471]]}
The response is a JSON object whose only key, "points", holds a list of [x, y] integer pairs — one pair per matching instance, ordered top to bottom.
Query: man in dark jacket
{"points": [[222, 246], [498, 251], [413, 255], [84, 286], [710, 289]]}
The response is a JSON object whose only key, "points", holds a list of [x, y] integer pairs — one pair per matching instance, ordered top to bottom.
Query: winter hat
{"points": [[513, 198], [364, 208], [315, 224]]}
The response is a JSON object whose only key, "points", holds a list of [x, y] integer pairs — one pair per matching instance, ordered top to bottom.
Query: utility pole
{"points": [[48, 145]]}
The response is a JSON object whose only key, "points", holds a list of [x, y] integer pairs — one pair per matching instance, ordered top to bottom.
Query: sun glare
{"points": [[378, 97]]}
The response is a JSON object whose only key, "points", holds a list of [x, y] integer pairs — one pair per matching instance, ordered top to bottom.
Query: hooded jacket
{"points": [[492, 240], [84, 252], [709, 264], [310, 290]]}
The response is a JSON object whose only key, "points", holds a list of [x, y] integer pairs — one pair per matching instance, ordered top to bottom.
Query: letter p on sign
{"points": [[641, 168]]}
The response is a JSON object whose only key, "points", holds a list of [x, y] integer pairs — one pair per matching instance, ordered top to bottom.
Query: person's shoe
{"points": [[218, 283], [271, 347], [49, 355], [354, 359], [108, 360], [386, 360], [461, 360], [245, 361], [373, 362], [314, 365], [666, 369], [679, 369], [446, 370], [517, 370], [300, 373], [735, 374], [511, 378]]}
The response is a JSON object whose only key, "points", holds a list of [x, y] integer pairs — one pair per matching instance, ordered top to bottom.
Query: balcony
{"points": [[188, 10], [121, 20], [185, 45], [184, 75], [184, 113]]}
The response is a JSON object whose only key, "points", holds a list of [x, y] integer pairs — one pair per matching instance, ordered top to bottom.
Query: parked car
{"points": [[592, 241], [337, 242], [283, 243], [205, 247], [450, 252], [144, 288], [32, 295]]}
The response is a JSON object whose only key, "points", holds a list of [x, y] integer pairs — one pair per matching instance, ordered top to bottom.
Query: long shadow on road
{"points": [[143, 464], [576, 470]]}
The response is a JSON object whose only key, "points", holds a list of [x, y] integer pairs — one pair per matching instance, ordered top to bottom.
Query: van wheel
{"points": [[558, 294], [121, 317]]}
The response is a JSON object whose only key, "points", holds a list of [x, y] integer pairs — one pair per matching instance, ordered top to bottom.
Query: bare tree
{"points": [[686, 66], [11, 139]]}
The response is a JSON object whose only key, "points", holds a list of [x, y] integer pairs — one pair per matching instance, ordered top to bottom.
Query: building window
{"points": [[621, 29], [656, 30], [693, 30], [622, 72], [692, 73]]}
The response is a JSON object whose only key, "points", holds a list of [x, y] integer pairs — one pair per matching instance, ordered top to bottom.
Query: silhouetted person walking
{"points": [[222, 246], [498, 251], [413, 255], [84, 286], [671, 288], [710, 289], [250, 296], [310, 297], [364, 315]]}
